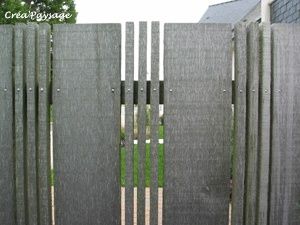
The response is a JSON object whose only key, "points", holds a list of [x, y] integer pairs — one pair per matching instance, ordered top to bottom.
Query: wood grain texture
{"points": [[197, 70], [142, 76], [129, 121], [154, 121], [87, 123], [31, 124], [252, 124], [264, 125], [19, 126], [43, 147], [239, 151], [285, 156], [7, 195]]}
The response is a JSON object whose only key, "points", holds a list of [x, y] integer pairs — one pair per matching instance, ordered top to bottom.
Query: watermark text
{"points": [[39, 17]]}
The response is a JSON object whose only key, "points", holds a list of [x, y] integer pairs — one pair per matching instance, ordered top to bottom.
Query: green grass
{"points": [[161, 132], [147, 166], [52, 177]]}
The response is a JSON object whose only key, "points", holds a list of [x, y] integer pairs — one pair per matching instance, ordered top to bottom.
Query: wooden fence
{"points": [[223, 162]]}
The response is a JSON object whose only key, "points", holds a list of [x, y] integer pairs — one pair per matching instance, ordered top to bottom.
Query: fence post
{"points": [[142, 88], [154, 121], [129, 122], [19, 123], [252, 124], [264, 125], [285, 126], [30, 132], [239, 148], [44, 170], [7, 195]]}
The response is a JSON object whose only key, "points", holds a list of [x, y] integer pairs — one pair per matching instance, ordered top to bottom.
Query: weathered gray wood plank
{"points": [[197, 70], [142, 76], [129, 120], [154, 121], [19, 123], [31, 123], [87, 123], [252, 124], [264, 125], [239, 150], [285, 156], [44, 171], [7, 194]]}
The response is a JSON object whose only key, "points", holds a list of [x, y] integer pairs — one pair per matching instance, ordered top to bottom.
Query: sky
{"points": [[111, 11]]}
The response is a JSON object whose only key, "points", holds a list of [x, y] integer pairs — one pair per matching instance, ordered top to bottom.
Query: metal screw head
{"points": [[5, 89], [18, 89], [30, 89], [42, 89], [128, 89], [142, 89], [154, 89], [58, 90], [112, 90], [171, 90], [224, 90], [253, 90], [241, 91], [266, 91]]}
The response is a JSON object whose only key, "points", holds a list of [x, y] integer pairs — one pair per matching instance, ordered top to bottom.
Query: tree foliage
{"points": [[37, 6]]}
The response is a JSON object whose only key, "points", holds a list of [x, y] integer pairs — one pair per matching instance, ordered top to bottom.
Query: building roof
{"points": [[229, 12]]}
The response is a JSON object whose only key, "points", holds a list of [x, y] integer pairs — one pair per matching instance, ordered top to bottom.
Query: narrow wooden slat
{"points": [[87, 73], [142, 75], [197, 113], [154, 121], [129, 122], [19, 123], [31, 123], [252, 124], [264, 125], [239, 151], [285, 153], [44, 170], [7, 195]]}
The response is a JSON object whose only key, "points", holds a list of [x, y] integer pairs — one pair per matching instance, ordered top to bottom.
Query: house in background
{"points": [[281, 11], [285, 11], [233, 12]]}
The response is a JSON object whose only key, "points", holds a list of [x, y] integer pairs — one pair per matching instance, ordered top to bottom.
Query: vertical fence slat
{"points": [[112, 41], [198, 77], [86, 79], [142, 88], [154, 121], [129, 122], [19, 123], [252, 124], [285, 124], [264, 125], [30, 132], [239, 154], [44, 170], [7, 206]]}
